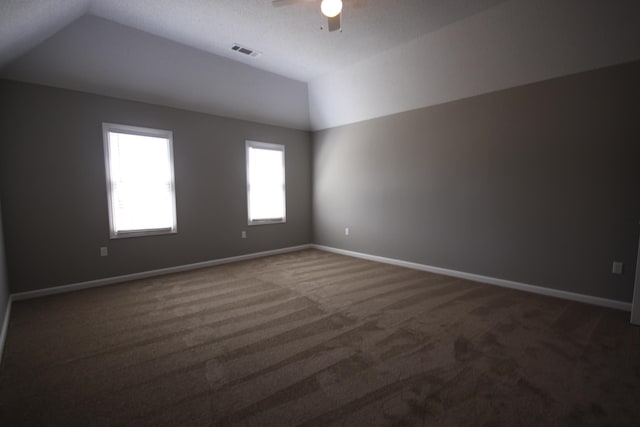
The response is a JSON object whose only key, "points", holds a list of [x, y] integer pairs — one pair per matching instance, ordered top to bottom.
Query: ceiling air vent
{"points": [[245, 50]]}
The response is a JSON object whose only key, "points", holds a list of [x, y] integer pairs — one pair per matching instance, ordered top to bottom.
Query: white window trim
{"points": [[142, 131], [266, 146]]}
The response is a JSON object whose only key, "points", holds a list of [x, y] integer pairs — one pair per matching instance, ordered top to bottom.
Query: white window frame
{"points": [[107, 128], [266, 146]]}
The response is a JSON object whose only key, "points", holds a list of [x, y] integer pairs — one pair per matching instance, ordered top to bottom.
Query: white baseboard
{"points": [[151, 273], [620, 305], [5, 326]]}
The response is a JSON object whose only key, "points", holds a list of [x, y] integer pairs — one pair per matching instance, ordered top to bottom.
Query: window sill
{"points": [[267, 221], [142, 233]]}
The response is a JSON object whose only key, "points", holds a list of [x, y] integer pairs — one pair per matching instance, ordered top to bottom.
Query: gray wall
{"points": [[536, 184], [53, 190], [4, 284]]}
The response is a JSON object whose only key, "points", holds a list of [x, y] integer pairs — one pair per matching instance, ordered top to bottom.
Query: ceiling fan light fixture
{"points": [[331, 8]]}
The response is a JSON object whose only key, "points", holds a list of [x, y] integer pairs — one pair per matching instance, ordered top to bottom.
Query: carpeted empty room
{"points": [[341, 213], [316, 339]]}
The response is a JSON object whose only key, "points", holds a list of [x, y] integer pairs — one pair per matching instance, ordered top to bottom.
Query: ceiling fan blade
{"points": [[333, 24]]}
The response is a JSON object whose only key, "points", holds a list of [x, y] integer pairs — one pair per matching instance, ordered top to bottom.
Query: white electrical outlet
{"points": [[346, 231], [244, 234], [104, 251], [617, 267]]}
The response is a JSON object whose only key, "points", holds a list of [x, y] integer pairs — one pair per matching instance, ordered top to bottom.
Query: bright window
{"points": [[265, 183], [140, 185]]}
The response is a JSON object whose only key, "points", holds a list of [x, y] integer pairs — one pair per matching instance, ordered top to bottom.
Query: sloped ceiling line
{"points": [[26, 24], [392, 56]]}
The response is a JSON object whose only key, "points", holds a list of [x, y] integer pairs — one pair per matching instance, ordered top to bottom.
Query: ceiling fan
{"points": [[332, 9]]}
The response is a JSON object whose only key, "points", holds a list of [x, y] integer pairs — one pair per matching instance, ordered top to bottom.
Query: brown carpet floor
{"points": [[316, 339]]}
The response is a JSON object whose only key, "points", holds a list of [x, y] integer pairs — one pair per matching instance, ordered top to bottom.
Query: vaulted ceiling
{"points": [[289, 37], [391, 55]]}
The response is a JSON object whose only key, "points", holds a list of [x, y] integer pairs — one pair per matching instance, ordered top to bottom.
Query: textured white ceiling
{"points": [[26, 23], [289, 37], [513, 44], [392, 55], [99, 56]]}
